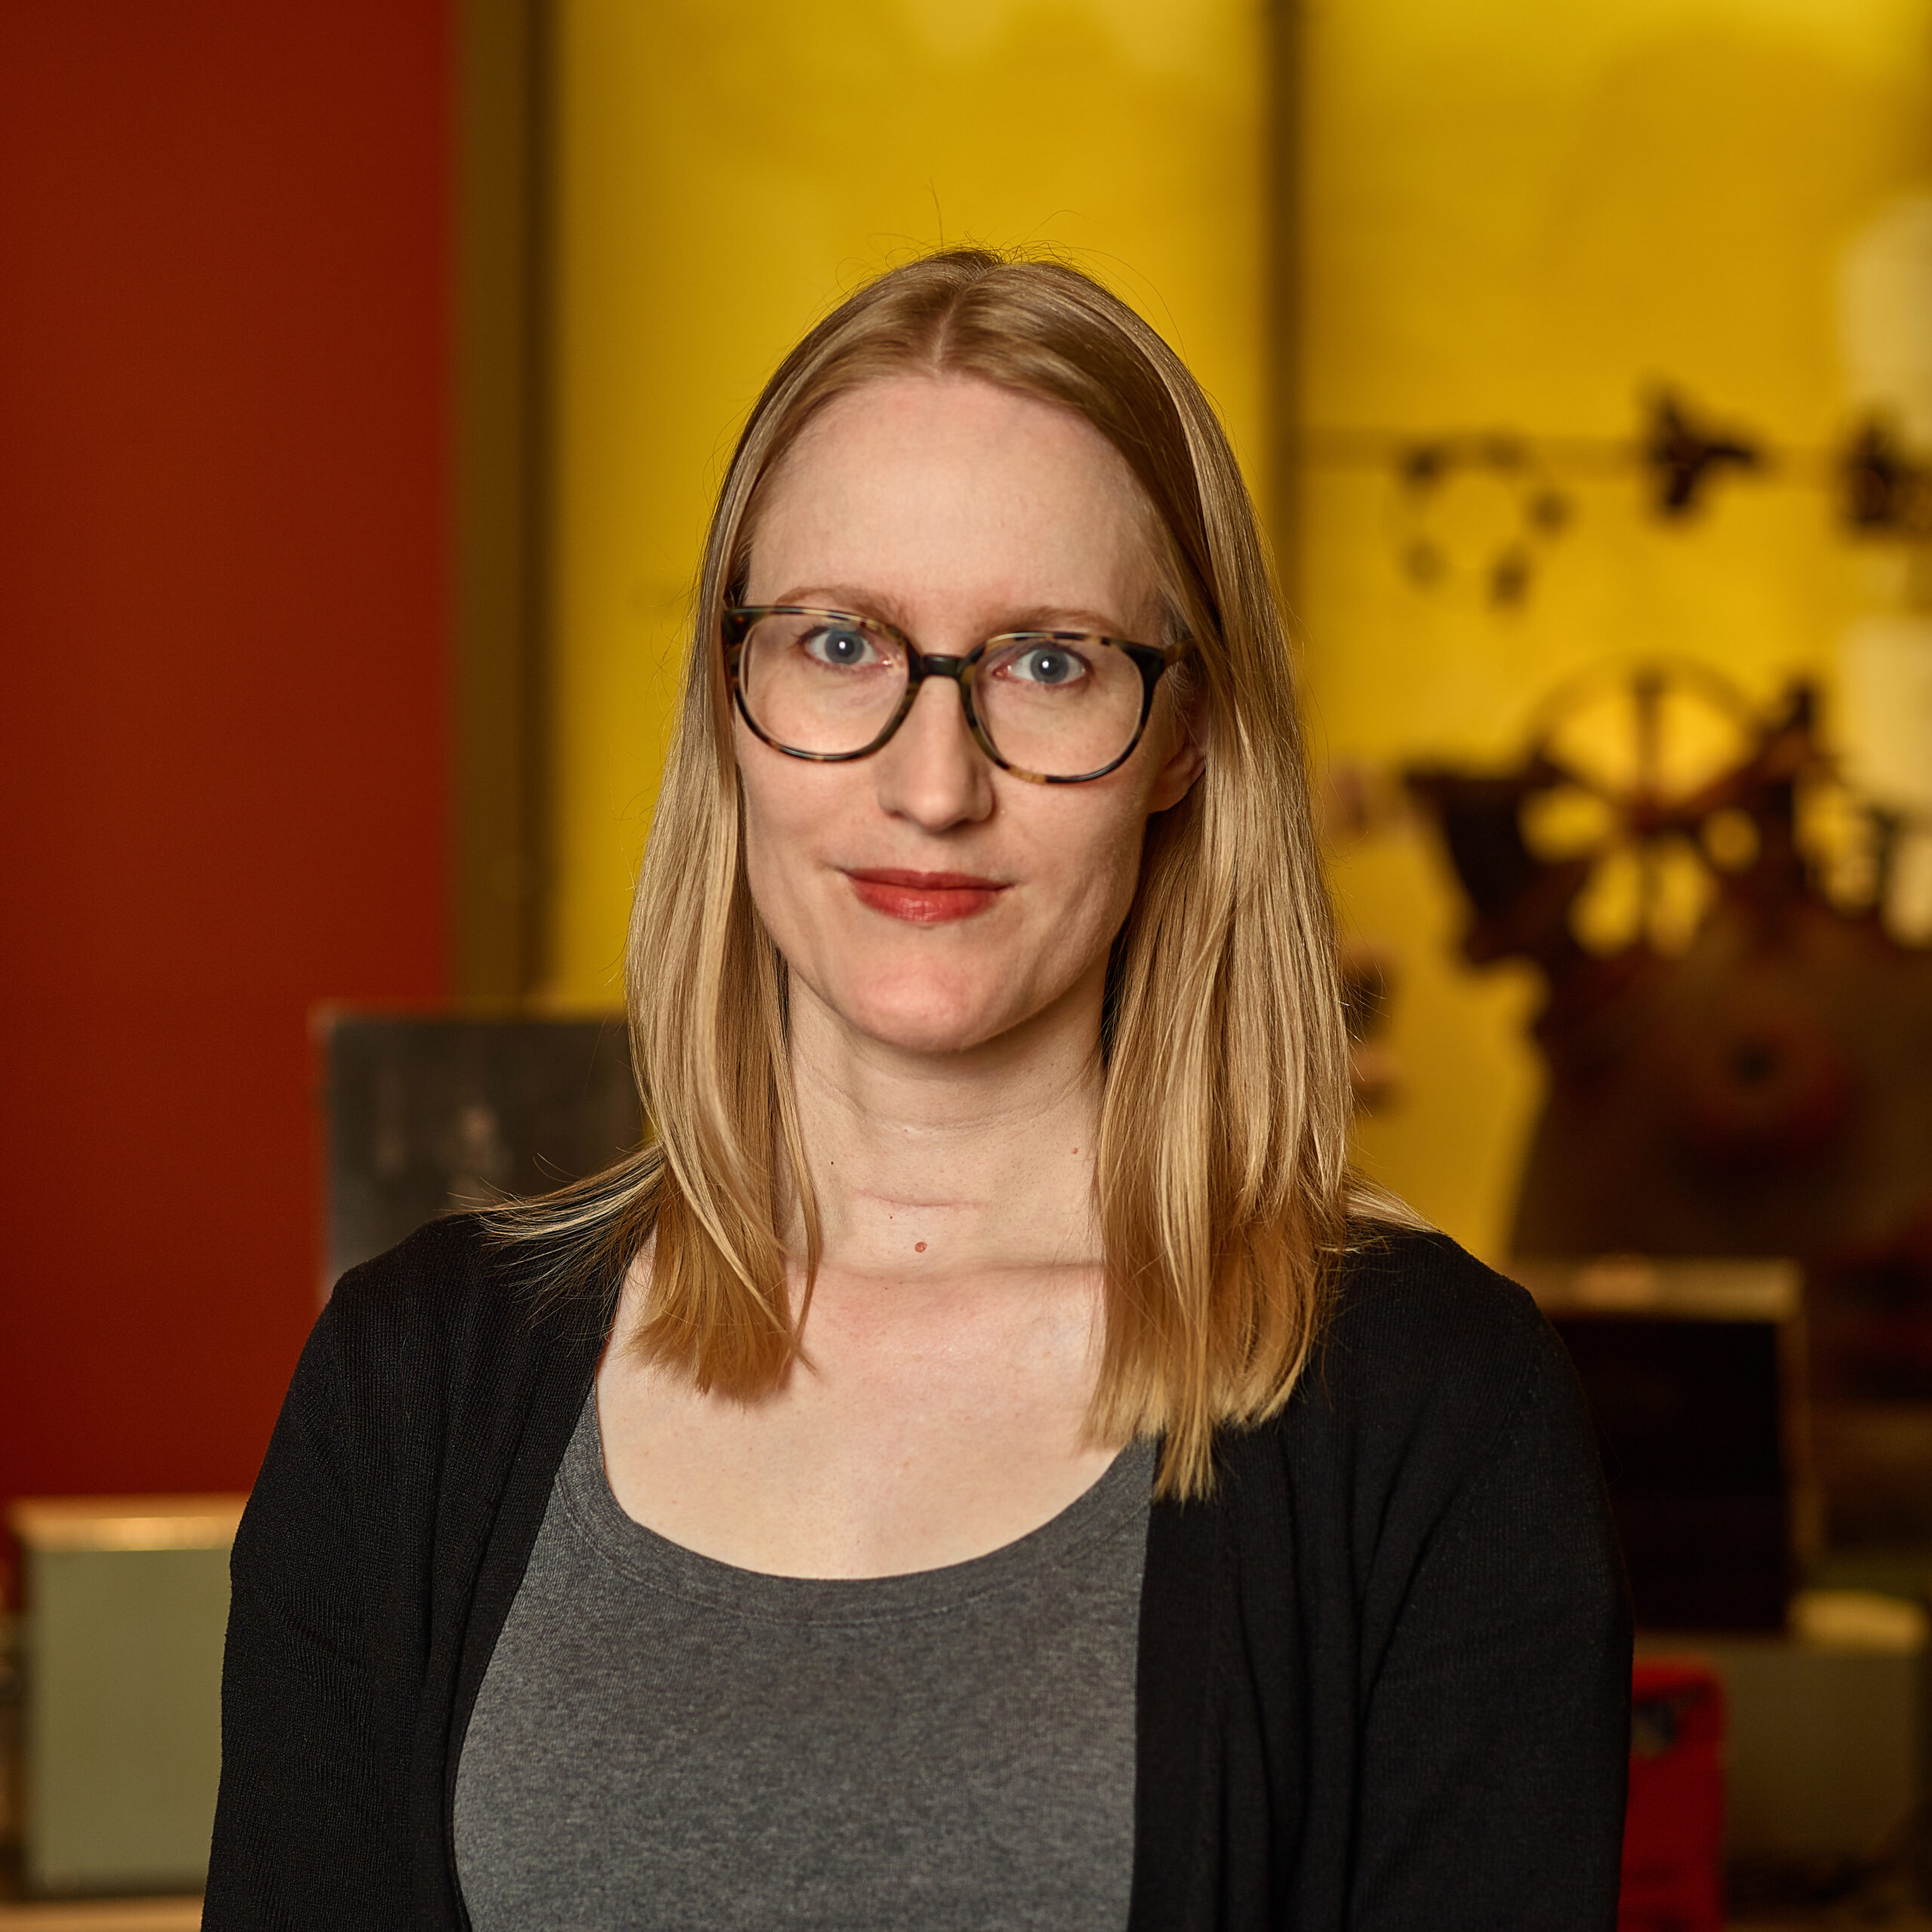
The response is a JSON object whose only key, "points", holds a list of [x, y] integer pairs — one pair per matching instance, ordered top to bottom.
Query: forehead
{"points": [[949, 483]]}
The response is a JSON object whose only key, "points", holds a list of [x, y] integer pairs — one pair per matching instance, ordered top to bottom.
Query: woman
{"points": [[982, 1464]]}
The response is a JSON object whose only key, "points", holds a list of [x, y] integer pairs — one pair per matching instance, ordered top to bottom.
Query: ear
{"points": [[1186, 756]]}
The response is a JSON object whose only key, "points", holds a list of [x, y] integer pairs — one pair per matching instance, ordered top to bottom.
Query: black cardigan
{"points": [[1384, 1672]]}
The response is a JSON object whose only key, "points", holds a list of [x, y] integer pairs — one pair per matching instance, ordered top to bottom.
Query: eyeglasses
{"points": [[1053, 707]]}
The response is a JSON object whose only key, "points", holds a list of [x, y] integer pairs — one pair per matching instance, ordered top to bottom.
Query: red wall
{"points": [[223, 243]]}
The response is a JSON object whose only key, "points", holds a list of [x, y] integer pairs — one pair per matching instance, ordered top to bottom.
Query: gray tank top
{"points": [[664, 1740]]}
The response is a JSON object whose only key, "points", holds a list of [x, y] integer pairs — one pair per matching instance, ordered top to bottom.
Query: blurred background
{"points": [[365, 373]]}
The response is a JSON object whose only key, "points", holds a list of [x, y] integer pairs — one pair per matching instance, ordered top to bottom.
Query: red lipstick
{"points": [[924, 898]]}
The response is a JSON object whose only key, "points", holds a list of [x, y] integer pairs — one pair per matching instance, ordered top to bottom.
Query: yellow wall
{"points": [[727, 169], [1514, 213], [1518, 213]]}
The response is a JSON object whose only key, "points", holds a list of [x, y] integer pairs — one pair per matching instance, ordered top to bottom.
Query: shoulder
{"points": [[447, 1280], [1415, 1321], [451, 1323], [1428, 1367], [413, 1391], [1438, 1396]]}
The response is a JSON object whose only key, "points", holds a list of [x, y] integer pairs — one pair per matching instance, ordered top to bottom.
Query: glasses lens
{"points": [[820, 683], [1060, 706]]}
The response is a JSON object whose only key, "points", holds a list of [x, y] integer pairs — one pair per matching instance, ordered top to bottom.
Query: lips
{"points": [[924, 898]]}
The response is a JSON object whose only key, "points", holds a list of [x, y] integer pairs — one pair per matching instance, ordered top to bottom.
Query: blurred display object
{"points": [[1884, 296], [1682, 455], [1879, 480], [1883, 490], [1532, 509], [1885, 711], [1355, 801], [1368, 984], [1738, 1026], [430, 1113], [1694, 1372], [127, 1604], [1825, 1752], [12, 1771], [1673, 1831], [168, 1913]]}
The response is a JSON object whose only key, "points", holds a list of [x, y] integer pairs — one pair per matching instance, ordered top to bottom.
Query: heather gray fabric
{"points": [[662, 1740]]}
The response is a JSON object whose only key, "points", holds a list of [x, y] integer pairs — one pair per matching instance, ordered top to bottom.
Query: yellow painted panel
{"points": [[728, 168], [1520, 214]]}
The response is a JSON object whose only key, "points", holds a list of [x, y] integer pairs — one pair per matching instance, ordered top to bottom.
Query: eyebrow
{"points": [[868, 604]]}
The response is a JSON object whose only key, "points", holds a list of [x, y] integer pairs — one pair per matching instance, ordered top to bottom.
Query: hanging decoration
{"points": [[1680, 457], [1736, 952]]}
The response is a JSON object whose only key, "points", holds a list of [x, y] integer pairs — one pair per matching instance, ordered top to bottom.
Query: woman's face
{"points": [[929, 900]]}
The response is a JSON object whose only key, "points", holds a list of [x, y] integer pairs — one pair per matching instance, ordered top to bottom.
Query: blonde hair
{"points": [[1221, 1170]]}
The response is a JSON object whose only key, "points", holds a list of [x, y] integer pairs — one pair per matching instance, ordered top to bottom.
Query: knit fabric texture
{"points": [[1382, 1676]]}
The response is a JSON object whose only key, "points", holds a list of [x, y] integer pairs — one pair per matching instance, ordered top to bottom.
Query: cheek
{"points": [[792, 813], [773, 833], [1094, 856]]}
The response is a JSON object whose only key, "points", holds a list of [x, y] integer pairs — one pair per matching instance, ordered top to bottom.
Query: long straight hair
{"points": [[1221, 1170]]}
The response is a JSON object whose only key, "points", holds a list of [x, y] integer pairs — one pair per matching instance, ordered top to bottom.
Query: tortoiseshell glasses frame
{"points": [[1152, 661]]}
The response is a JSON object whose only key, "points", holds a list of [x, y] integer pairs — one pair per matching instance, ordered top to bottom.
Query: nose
{"points": [[931, 772]]}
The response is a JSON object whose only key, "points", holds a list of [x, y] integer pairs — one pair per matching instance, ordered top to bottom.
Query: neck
{"points": [[930, 1165]]}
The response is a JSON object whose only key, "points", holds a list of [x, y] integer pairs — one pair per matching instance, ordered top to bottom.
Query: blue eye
{"points": [[839, 645], [1048, 664]]}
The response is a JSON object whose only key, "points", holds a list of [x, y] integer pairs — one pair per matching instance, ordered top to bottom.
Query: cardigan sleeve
{"points": [[1496, 1732], [305, 1831]]}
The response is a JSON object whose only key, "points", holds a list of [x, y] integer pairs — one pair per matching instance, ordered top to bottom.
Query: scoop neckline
{"points": [[1121, 1491]]}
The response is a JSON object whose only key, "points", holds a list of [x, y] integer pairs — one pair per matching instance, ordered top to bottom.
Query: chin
{"points": [[928, 1002], [918, 1016]]}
